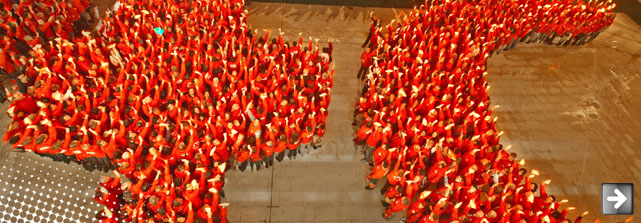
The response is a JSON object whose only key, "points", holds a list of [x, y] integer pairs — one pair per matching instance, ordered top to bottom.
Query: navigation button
{"points": [[617, 198]]}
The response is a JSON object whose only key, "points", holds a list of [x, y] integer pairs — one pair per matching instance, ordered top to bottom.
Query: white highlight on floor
{"points": [[34, 192]]}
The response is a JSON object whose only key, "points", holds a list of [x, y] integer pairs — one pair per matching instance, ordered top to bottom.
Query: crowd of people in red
{"points": [[27, 26], [171, 94], [424, 121]]}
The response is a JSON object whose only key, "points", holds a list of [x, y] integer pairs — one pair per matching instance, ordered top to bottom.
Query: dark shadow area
{"points": [[632, 8]]}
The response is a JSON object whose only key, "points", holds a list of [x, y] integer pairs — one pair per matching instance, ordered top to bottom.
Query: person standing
{"points": [[375, 24], [366, 62]]}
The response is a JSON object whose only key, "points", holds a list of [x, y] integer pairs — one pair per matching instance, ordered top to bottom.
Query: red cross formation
{"points": [[105, 97], [427, 128]]}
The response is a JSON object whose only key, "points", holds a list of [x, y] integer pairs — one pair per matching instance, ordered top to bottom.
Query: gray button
{"points": [[617, 198]]}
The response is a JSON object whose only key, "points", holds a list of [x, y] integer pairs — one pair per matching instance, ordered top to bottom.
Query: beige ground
{"points": [[572, 113]]}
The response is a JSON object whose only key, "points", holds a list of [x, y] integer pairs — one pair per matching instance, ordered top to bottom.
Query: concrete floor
{"points": [[572, 113], [575, 113]]}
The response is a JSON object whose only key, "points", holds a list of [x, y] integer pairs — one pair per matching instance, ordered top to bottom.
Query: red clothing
{"points": [[366, 59], [27, 105]]}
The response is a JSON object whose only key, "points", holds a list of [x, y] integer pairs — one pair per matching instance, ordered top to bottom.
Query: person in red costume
{"points": [[366, 62]]}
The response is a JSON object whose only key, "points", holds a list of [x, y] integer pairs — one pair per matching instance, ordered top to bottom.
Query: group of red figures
{"points": [[172, 94], [424, 120]]}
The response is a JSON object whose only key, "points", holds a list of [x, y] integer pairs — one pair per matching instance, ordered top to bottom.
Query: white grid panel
{"points": [[39, 190]]}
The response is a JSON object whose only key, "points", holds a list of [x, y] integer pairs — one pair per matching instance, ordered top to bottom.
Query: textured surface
{"points": [[572, 113], [36, 190]]}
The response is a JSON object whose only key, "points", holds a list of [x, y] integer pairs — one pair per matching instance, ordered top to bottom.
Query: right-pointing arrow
{"points": [[620, 198]]}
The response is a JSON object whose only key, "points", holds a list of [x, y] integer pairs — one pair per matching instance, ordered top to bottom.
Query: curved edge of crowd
{"points": [[424, 122]]}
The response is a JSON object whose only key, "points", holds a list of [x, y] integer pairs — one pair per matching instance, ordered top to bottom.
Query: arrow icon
{"points": [[620, 198]]}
